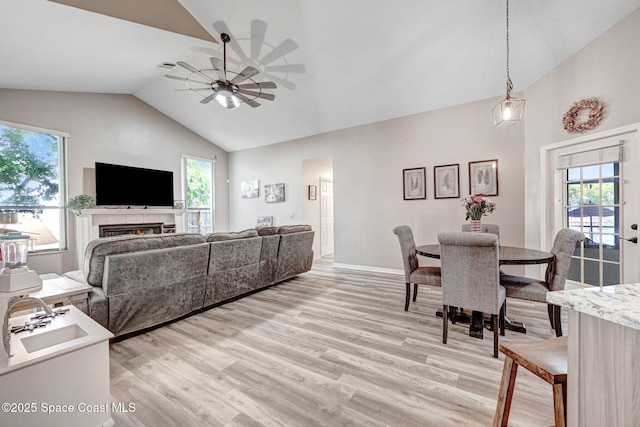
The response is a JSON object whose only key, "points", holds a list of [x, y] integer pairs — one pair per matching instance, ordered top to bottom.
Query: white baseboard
{"points": [[369, 269]]}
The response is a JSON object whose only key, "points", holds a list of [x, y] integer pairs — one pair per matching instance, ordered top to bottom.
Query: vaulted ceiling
{"points": [[337, 63]]}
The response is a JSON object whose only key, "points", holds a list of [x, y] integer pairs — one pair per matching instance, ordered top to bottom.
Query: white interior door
{"points": [[631, 211], [326, 217]]}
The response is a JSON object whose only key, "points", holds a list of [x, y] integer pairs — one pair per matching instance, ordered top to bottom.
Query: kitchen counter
{"points": [[619, 304], [604, 337], [21, 357], [58, 375]]}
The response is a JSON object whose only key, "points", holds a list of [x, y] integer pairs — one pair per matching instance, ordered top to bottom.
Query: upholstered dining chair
{"points": [[486, 228], [413, 272], [555, 277], [471, 278]]}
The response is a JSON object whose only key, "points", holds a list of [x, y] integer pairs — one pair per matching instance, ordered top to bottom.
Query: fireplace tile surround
{"points": [[88, 223]]}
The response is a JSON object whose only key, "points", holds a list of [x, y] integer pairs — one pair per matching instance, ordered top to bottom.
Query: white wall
{"points": [[609, 69], [113, 129], [367, 174]]}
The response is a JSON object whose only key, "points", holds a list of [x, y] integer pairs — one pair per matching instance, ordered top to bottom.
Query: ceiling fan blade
{"points": [[258, 31], [218, 65], [194, 70], [245, 74], [184, 79], [261, 85], [194, 89], [267, 96], [208, 98], [250, 102]]}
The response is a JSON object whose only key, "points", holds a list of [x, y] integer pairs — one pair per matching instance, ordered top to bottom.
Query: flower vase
{"points": [[476, 226]]}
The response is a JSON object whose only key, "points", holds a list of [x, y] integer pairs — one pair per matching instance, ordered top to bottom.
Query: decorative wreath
{"points": [[594, 116]]}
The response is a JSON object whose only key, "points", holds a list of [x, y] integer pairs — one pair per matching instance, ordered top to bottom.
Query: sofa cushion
{"points": [[287, 229], [267, 230], [232, 235], [98, 249]]}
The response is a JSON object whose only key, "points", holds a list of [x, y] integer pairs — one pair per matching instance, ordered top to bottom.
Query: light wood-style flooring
{"points": [[327, 348]]}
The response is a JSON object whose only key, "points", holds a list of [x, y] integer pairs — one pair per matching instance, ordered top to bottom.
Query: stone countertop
{"points": [[618, 303]]}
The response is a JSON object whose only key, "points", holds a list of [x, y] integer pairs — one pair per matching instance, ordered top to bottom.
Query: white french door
{"points": [[595, 191]]}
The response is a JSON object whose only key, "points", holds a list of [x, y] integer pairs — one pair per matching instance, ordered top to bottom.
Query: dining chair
{"points": [[486, 228], [413, 272], [555, 277], [471, 278], [545, 358]]}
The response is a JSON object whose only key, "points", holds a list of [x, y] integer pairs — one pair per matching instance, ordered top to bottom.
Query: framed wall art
{"points": [[483, 177], [446, 181], [414, 182], [249, 189], [313, 190], [274, 193], [264, 221]]}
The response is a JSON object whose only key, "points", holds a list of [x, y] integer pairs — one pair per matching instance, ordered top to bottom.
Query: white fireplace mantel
{"points": [[89, 221]]}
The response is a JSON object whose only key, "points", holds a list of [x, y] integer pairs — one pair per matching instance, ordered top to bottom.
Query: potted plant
{"points": [[78, 203]]}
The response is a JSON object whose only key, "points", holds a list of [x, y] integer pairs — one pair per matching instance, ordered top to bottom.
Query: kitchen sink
{"points": [[54, 337]]}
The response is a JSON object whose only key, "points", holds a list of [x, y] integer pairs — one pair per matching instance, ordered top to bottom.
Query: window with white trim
{"points": [[32, 185]]}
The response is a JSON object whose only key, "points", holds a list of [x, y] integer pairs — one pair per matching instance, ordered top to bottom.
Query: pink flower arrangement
{"points": [[477, 205]]}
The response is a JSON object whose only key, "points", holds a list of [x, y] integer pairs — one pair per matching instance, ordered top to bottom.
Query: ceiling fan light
{"points": [[228, 101], [508, 112]]}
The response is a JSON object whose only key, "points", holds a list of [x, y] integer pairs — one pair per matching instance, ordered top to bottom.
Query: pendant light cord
{"points": [[509, 83]]}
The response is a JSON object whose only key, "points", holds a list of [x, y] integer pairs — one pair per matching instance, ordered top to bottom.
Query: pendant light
{"points": [[509, 111]]}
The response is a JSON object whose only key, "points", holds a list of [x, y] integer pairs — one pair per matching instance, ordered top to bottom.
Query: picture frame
{"points": [[483, 177], [414, 181], [446, 181], [250, 189], [313, 190], [274, 193], [264, 221]]}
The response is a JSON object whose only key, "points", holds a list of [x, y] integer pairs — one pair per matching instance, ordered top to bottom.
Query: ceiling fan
{"points": [[228, 92]]}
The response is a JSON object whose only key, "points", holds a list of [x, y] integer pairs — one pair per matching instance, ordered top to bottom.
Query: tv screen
{"points": [[124, 185]]}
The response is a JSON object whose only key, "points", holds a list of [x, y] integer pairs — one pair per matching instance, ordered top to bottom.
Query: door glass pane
{"points": [[608, 170], [590, 172], [573, 174], [574, 194], [592, 272], [611, 274]]}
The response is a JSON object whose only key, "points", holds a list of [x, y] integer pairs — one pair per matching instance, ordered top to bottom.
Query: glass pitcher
{"points": [[14, 251]]}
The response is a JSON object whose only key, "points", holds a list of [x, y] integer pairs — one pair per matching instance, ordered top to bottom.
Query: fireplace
{"points": [[108, 230]]}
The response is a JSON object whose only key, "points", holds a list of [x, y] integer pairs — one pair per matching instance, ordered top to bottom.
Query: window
{"points": [[32, 186], [199, 195]]}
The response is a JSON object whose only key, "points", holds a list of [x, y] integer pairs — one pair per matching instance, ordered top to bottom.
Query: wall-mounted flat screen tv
{"points": [[118, 185]]}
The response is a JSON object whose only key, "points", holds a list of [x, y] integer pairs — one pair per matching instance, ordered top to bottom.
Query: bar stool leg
{"points": [[505, 395], [559, 404]]}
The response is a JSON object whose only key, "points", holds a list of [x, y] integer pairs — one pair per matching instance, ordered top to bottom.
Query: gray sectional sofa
{"points": [[144, 281]]}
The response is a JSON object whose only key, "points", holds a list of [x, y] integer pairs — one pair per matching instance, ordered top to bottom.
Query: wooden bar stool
{"points": [[548, 360]]}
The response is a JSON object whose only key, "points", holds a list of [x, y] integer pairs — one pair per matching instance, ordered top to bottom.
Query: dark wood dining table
{"points": [[507, 255]]}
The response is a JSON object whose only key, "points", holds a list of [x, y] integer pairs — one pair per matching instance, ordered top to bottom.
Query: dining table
{"points": [[507, 255]]}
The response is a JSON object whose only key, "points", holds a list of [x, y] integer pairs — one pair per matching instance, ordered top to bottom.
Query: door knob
{"points": [[634, 226], [632, 240]]}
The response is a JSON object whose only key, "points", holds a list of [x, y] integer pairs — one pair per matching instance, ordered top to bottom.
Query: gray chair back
{"points": [[486, 228], [564, 245], [408, 248], [470, 271]]}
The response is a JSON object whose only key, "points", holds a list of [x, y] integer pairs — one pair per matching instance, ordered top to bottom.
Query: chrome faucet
{"points": [[6, 328]]}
